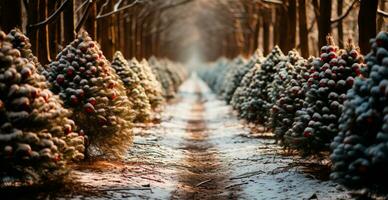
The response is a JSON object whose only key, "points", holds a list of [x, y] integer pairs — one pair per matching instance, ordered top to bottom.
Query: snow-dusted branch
{"points": [[115, 9], [382, 13], [84, 15], [52, 16], [343, 16]]}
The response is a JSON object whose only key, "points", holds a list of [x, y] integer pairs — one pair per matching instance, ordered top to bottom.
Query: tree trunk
{"points": [[340, 5], [10, 15], [380, 20], [324, 21], [68, 23], [91, 23], [367, 23], [266, 25], [276, 25], [291, 25], [53, 28], [283, 28], [303, 32], [32, 33], [133, 35], [127, 36], [239, 37], [256, 37], [44, 46]]}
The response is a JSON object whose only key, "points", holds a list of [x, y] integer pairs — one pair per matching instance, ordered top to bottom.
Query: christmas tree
{"points": [[22, 43], [211, 73], [219, 74], [163, 76], [331, 76], [233, 77], [89, 86], [151, 86], [134, 89], [243, 90], [287, 93], [255, 106], [37, 139], [360, 149]]}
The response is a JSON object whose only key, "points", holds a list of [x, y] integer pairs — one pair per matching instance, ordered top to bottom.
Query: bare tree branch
{"points": [[278, 2], [81, 6], [116, 6], [102, 7], [316, 8], [114, 11], [346, 13], [382, 13], [84, 16], [51, 17]]}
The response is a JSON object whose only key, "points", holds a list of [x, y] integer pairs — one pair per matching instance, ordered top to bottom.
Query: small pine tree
{"points": [[22, 43], [238, 68], [163, 76], [330, 78], [89, 86], [152, 87], [134, 89], [243, 89], [287, 93], [256, 103], [37, 139], [360, 150]]}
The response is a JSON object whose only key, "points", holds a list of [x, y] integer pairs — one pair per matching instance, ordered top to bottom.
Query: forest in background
{"points": [[141, 28]]}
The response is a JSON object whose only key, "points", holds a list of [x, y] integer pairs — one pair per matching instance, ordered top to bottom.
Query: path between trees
{"points": [[200, 150]]}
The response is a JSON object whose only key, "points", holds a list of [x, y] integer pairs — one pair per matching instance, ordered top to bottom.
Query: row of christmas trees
{"points": [[337, 102], [77, 106]]}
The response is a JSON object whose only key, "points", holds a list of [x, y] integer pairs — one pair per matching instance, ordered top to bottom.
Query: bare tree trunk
{"points": [[340, 5], [10, 15], [380, 20], [324, 21], [68, 22], [91, 23], [367, 23], [266, 25], [276, 25], [291, 25], [53, 28], [283, 28], [303, 32], [32, 33], [112, 35], [133, 35], [127, 36], [239, 37], [256, 37], [138, 39], [44, 46]]}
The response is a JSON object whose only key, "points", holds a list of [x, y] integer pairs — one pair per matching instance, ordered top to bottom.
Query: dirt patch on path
{"points": [[203, 175]]}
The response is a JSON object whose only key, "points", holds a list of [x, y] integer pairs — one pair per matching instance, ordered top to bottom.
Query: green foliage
{"points": [[331, 76], [89, 86], [151, 86], [134, 90], [287, 93], [37, 139], [360, 150]]}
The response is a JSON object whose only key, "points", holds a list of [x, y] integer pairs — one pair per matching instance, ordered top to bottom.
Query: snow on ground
{"points": [[259, 160]]}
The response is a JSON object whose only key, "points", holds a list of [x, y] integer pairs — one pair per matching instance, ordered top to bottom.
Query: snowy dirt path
{"points": [[200, 150]]}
